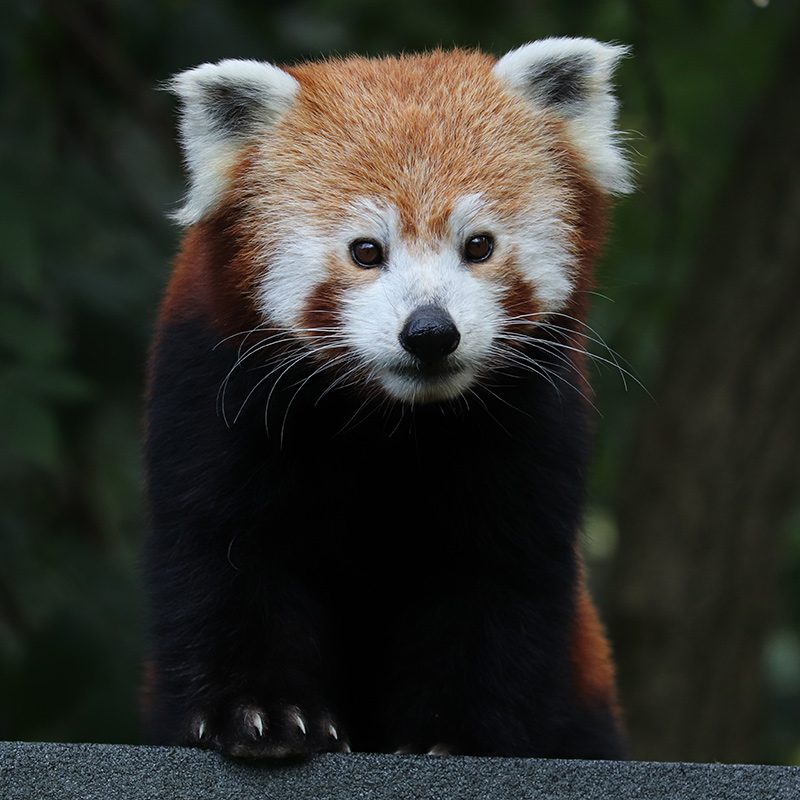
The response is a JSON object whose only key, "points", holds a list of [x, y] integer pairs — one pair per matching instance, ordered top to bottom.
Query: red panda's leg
{"points": [[590, 653], [239, 654], [482, 658], [481, 669], [494, 670], [598, 718]]}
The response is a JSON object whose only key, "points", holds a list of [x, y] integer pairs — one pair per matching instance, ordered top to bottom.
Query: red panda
{"points": [[367, 431]]}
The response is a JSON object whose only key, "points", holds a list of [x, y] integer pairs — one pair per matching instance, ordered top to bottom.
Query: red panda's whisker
{"points": [[598, 294], [539, 314], [563, 316], [560, 329], [282, 331], [238, 333], [562, 333], [282, 335], [288, 335], [597, 339], [269, 343], [541, 343], [309, 352], [512, 357], [597, 358], [524, 360], [325, 365], [354, 370], [623, 372], [260, 382], [274, 386], [572, 386], [223, 388], [370, 396], [486, 407], [400, 419]]}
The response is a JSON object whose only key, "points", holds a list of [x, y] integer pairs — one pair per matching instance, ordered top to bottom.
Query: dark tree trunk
{"points": [[705, 495]]}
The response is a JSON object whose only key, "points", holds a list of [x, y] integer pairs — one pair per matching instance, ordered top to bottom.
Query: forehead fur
{"points": [[419, 130]]}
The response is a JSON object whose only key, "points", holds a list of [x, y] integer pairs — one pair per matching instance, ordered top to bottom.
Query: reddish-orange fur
{"points": [[383, 128]]}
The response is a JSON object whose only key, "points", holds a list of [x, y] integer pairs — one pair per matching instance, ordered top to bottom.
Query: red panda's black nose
{"points": [[429, 334]]}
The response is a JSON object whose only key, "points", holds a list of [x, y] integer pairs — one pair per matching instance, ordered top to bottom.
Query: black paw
{"points": [[246, 729]]}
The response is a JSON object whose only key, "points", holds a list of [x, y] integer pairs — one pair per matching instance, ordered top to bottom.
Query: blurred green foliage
{"points": [[89, 171]]}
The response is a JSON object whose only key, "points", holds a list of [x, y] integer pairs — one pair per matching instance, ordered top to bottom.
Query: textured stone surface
{"points": [[103, 772]]}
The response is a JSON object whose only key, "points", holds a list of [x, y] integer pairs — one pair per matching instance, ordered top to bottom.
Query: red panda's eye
{"points": [[478, 248], [366, 253]]}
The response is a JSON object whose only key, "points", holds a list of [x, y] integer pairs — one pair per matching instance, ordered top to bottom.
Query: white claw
{"points": [[256, 719], [300, 723], [201, 729], [332, 732], [346, 748], [439, 750], [402, 751]]}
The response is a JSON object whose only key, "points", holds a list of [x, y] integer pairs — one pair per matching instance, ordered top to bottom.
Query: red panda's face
{"points": [[406, 215]]}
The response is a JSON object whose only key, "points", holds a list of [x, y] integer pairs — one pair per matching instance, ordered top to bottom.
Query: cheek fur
{"points": [[542, 247], [293, 269], [520, 300], [371, 322]]}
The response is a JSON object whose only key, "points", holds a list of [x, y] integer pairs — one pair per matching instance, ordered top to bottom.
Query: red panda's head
{"points": [[405, 215]]}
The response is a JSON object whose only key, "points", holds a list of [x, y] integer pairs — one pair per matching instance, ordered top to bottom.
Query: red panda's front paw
{"points": [[251, 730]]}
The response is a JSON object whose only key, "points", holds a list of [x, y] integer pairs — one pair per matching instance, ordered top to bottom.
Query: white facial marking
{"points": [[469, 216], [370, 218], [542, 238], [297, 265], [416, 274]]}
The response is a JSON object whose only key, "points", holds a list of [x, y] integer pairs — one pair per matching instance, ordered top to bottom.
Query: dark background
{"points": [[693, 530]]}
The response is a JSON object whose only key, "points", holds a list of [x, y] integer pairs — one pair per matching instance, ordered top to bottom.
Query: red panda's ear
{"points": [[572, 78], [224, 106]]}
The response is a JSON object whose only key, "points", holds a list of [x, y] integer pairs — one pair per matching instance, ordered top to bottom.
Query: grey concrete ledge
{"points": [[103, 772]]}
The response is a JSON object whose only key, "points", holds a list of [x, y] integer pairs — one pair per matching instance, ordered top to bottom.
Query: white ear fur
{"points": [[572, 78], [224, 106]]}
